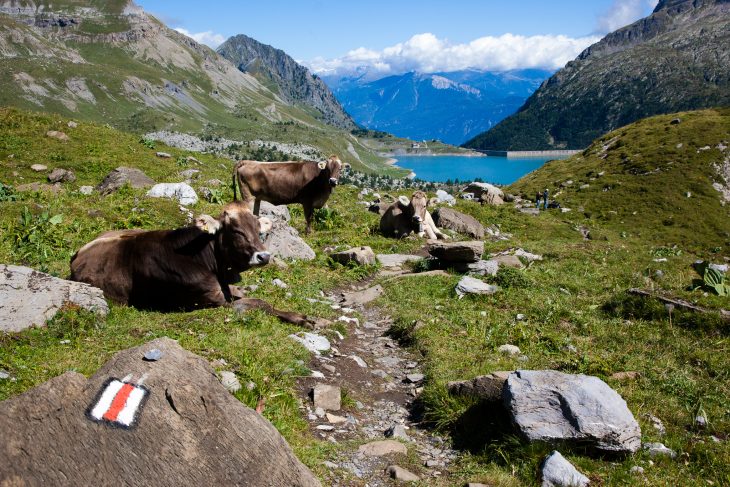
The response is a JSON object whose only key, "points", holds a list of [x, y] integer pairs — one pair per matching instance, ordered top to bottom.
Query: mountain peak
{"points": [[678, 6]]}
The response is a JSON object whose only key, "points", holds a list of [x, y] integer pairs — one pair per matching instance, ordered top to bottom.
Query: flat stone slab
{"points": [[456, 251], [396, 260], [471, 285], [30, 298], [358, 298], [547, 405], [382, 448]]}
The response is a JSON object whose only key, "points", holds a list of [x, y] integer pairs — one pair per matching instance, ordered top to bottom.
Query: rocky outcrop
{"points": [[295, 83], [124, 175], [284, 242], [449, 252], [358, 255], [31, 298], [546, 405], [184, 417]]}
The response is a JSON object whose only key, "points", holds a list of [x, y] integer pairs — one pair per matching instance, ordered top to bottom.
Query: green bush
{"points": [[36, 239], [508, 277]]}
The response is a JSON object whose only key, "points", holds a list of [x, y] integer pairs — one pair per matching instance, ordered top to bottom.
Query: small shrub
{"points": [[149, 143], [7, 193], [215, 196], [326, 219], [35, 239], [508, 277]]}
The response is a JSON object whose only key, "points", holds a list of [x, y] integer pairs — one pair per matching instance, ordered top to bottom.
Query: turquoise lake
{"points": [[499, 170]]}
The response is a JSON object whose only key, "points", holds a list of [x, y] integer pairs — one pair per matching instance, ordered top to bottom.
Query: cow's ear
{"points": [[321, 165], [403, 201], [265, 224]]}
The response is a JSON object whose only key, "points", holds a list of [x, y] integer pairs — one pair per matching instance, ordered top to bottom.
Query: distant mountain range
{"points": [[676, 59], [293, 82], [451, 107]]}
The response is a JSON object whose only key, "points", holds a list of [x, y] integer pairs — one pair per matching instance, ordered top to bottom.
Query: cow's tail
{"points": [[234, 182]]}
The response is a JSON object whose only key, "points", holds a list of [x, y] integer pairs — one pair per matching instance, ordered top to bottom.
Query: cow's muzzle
{"points": [[333, 182], [418, 222], [260, 258]]}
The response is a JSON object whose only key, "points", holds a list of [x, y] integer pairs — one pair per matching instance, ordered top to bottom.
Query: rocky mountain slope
{"points": [[676, 59], [111, 62], [291, 81], [451, 107]]}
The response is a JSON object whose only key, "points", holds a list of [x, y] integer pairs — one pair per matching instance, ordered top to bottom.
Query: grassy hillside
{"points": [[652, 180], [578, 316]]}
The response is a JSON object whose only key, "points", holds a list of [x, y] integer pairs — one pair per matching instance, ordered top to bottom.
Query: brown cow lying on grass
{"points": [[281, 183], [404, 217], [183, 269]]}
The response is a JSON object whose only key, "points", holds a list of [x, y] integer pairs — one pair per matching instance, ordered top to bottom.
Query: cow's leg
{"points": [[256, 206], [308, 212], [431, 229], [245, 304]]}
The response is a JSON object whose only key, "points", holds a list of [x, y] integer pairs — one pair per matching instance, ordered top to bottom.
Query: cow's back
{"points": [[279, 183]]}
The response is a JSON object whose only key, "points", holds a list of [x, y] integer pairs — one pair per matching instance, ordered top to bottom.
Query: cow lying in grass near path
{"points": [[281, 183], [404, 217], [182, 269]]}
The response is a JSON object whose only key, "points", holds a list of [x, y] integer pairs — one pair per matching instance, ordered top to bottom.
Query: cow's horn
{"points": [[321, 165]]}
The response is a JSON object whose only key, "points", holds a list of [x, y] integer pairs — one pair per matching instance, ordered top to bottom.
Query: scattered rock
{"points": [[72, 125], [55, 134], [163, 155], [38, 167], [190, 174], [59, 175], [124, 175], [86, 190], [182, 192], [486, 192], [444, 197], [530, 211], [458, 222], [284, 242], [448, 252], [359, 255], [530, 257], [396, 260], [509, 261], [480, 268], [279, 283], [470, 285], [31, 298], [358, 298], [312, 342], [511, 350], [153, 355], [360, 362], [4, 375], [625, 375], [414, 378], [230, 381], [487, 387], [327, 397], [547, 405], [184, 412], [334, 419], [700, 421], [656, 423], [397, 431], [382, 448], [659, 450], [637, 470], [559, 472], [400, 473]]}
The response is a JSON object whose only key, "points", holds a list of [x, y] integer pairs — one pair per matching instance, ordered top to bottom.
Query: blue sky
{"points": [[330, 34]]}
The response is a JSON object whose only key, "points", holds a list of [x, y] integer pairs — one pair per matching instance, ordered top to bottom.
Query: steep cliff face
{"points": [[676, 59], [291, 81]]}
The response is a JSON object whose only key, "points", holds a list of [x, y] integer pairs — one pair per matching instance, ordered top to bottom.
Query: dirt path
{"points": [[380, 382]]}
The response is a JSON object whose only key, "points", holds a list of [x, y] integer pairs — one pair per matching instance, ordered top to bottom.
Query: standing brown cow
{"points": [[281, 183], [183, 269]]}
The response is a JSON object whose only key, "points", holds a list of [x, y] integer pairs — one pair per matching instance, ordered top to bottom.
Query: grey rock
{"points": [[72, 125], [56, 134], [163, 155], [38, 167], [190, 173], [59, 175], [124, 175], [478, 189], [86, 190], [181, 192], [444, 197], [530, 211], [275, 213], [458, 222], [284, 242], [449, 252], [360, 255], [396, 260], [509, 261], [480, 268], [279, 283], [470, 285], [31, 298], [358, 298], [312, 342], [508, 349], [153, 355], [360, 362], [4, 375], [414, 378], [230, 381], [487, 387], [327, 397], [546, 405], [187, 410], [700, 421], [656, 423], [397, 431], [382, 448], [659, 450], [330, 465], [636, 470], [559, 472], [400, 473]]}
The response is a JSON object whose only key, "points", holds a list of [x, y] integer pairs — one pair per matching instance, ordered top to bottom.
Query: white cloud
{"points": [[622, 13], [209, 38], [427, 53]]}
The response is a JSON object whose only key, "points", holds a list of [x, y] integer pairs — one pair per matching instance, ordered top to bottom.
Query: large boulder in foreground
{"points": [[458, 222], [284, 242], [29, 297], [546, 405], [186, 429]]}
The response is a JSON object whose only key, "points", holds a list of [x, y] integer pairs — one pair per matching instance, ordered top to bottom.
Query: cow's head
{"points": [[332, 168], [415, 208], [239, 237]]}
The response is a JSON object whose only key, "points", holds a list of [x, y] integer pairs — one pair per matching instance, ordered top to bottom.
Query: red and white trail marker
{"points": [[118, 403]]}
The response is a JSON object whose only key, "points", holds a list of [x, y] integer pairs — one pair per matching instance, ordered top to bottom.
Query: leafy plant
{"points": [[149, 143], [182, 161], [7, 193], [215, 196], [326, 219], [35, 239], [508, 277], [712, 280]]}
